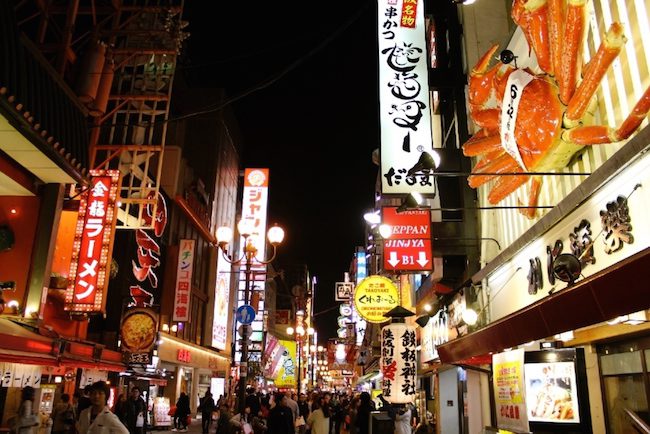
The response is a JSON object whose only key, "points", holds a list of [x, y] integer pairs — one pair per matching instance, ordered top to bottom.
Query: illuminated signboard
{"points": [[404, 116], [254, 209], [92, 244], [409, 246], [183, 281], [374, 297], [221, 302], [398, 363]]}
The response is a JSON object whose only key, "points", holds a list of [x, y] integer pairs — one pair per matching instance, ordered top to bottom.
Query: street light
{"points": [[246, 228]]}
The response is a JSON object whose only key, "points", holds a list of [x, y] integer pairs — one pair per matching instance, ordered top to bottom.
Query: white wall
{"points": [[449, 415]]}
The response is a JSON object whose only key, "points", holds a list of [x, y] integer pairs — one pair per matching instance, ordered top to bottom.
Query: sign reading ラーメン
{"points": [[403, 95], [374, 296]]}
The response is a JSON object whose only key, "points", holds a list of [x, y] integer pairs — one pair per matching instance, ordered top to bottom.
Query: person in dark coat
{"points": [[83, 401], [253, 401], [206, 408], [182, 411], [135, 412], [363, 414], [280, 417], [223, 424]]}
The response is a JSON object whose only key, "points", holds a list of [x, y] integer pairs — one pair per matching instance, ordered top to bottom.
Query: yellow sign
{"points": [[374, 296], [287, 373]]}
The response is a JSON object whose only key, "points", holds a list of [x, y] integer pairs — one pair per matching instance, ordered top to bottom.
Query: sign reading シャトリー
{"points": [[404, 111], [374, 296]]}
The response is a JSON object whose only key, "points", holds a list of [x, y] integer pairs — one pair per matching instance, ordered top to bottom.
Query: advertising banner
{"points": [[404, 108], [93, 244], [409, 246], [183, 281], [221, 302], [138, 335], [398, 363], [20, 375], [286, 376], [509, 390], [551, 392]]}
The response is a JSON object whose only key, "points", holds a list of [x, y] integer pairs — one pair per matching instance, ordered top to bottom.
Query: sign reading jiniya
{"points": [[403, 95]]}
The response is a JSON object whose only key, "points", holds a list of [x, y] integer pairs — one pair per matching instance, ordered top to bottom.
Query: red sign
{"points": [[409, 11], [412, 224], [92, 244], [409, 246], [407, 255], [184, 356]]}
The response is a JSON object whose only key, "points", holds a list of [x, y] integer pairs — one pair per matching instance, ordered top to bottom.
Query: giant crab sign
{"points": [[539, 120]]}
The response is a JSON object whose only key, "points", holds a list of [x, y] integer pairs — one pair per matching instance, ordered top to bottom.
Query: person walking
{"points": [[83, 401], [206, 408], [136, 412], [182, 412], [303, 412], [363, 413], [281, 417], [63, 419], [98, 419], [319, 419], [26, 421], [403, 421], [242, 423], [223, 424]]}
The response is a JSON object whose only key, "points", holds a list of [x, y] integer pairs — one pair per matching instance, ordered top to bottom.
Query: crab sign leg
{"points": [[537, 11], [555, 35], [570, 59], [594, 72], [481, 85], [599, 134], [480, 145], [488, 157], [502, 164], [504, 186], [533, 197]]}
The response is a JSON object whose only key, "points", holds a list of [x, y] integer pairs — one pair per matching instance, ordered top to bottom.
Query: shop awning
{"points": [[618, 290], [17, 344], [368, 377]]}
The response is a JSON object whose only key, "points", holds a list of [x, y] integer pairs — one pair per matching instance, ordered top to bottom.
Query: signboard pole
{"points": [[243, 366]]}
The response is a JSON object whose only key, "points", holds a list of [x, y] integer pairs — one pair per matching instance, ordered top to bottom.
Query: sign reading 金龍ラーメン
{"points": [[403, 95], [92, 244], [183, 281], [374, 296]]}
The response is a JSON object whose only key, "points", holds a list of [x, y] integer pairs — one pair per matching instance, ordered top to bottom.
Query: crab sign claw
{"points": [[532, 17], [481, 86]]}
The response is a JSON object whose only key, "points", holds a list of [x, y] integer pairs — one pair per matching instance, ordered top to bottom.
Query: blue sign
{"points": [[245, 314]]}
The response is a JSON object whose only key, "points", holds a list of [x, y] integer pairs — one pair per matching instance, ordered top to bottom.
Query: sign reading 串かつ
{"points": [[374, 296]]}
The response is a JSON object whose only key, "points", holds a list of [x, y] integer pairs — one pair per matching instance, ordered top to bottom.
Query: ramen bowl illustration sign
{"points": [[138, 333]]}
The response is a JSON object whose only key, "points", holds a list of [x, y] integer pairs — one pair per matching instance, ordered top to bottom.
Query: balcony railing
{"points": [[36, 100]]}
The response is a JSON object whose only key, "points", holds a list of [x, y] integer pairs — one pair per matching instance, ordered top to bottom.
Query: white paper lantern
{"points": [[398, 363]]}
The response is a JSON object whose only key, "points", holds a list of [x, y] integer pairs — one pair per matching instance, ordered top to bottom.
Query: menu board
{"points": [[551, 392], [509, 396], [161, 415]]}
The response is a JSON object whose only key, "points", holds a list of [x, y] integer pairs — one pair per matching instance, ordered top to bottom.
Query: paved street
{"points": [[194, 428]]}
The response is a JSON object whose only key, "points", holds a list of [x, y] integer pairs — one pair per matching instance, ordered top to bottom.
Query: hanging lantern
{"points": [[398, 358]]}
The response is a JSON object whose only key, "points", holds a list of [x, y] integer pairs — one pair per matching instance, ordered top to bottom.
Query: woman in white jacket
{"points": [[319, 418], [98, 419], [403, 422]]}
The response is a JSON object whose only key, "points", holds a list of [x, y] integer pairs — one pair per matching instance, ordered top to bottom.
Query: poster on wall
{"points": [[221, 302], [283, 364], [509, 390], [551, 392], [161, 415]]}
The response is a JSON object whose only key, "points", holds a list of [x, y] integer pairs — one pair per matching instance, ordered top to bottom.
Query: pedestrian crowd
{"points": [[277, 413]]}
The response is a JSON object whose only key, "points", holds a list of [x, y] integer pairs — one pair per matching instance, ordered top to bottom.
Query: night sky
{"points": [[315, 127]]}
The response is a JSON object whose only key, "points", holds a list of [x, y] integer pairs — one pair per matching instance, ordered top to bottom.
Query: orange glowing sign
{"points": [[91, 249]]}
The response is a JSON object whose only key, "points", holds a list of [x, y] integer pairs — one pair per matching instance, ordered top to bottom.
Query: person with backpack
{"points": [[63, 417]]}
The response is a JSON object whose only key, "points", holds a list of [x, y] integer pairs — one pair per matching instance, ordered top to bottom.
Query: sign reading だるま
{"points": [[374, 296]]}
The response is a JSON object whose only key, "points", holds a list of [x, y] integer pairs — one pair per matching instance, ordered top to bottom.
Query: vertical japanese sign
{"points": [[405, 116], [254, 208], [93, 244], [362, 273], [183, 281], [221, 303], [398, 363], [509, 390]]}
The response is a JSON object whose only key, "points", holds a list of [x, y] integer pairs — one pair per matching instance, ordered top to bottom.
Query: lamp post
{"points": [[245, 227], [300, 332]]}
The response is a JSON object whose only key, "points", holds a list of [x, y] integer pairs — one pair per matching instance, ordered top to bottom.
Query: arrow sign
{"points": [[408, 255], [422, 259], [393, 261]]}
